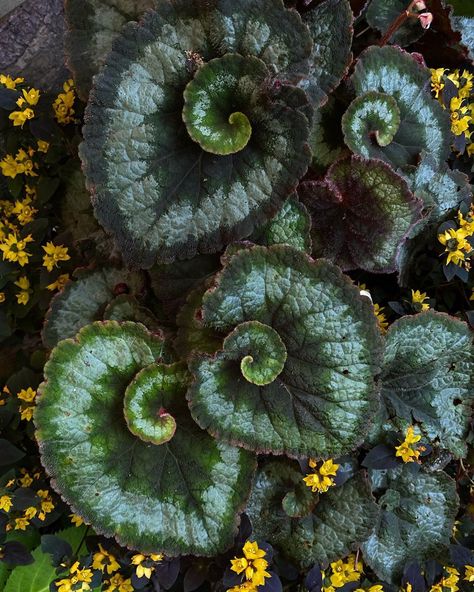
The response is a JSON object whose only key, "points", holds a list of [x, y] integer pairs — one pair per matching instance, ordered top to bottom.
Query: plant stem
{"points": [[397, 23]]}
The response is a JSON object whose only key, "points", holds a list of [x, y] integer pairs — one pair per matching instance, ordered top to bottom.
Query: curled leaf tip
{"points": [[266, 355]]}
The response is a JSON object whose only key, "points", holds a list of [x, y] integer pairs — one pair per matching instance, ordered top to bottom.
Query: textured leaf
{"points": [[381, 14], [330, 25], [465, 26], [92, 27], [383, 76], [326, 139], [440, 188], [155, 189], [76, 209], [361, 214], [291, 226], [84, 300], [127, 308], [192, 336], [332, 346], [428, 376], [147, 400], [178, 497], [418, 512], [342, 518], [35, 577]]}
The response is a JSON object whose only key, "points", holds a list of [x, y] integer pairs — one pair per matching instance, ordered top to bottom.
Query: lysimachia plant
{"points": [[258, 372]]}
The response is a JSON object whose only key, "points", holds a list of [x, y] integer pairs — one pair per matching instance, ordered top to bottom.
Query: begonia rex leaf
{"points": [[330, 25], [92, 27], [392, 85], [157, 185], [362, 212], [291, 226], [85, 299], [332, 348], [428, 377], [178, 497], [418, 513], [337, 522]]}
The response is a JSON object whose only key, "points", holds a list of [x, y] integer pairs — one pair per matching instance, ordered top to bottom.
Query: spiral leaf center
{"points": [[218, 103], [261, 351], [147, 401]]}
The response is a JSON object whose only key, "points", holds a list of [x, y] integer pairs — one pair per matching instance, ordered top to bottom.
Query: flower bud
{"points": [[425, 19]]}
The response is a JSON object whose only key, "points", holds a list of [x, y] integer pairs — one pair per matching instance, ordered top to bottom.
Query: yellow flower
{"points": [[9, 82], [437, 83], [32, 96], [63, 105], [20, 117], [460, 117], [43, 146], [10, 167], [24, 212], [456, 246], [14, 249], [54, 254], [59, 282], [24, 295], [2, 297], [418, 300], [381, 317], [27, 395], [26, 412], [406, 450], [322, 479], [26, 480], [6, 503], [30, 512], [76, 520], [21, 523], [105, 561], [145, 565], [253, 565], [345, 572], [82, 575], [469, 576], [118, 583], [244, 587]]}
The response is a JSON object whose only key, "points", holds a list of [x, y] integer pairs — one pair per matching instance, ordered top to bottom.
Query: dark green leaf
{"points": [[362, 212], [333, 347], [179, 497]]}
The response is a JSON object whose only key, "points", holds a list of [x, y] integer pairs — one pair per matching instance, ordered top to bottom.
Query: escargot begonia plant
{"points": [[258, 169]]}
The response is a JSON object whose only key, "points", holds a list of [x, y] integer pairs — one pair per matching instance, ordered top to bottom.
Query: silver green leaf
{"points": [[93, 25], [330, 25], [424, 125], [155, 189], [84, 300], [332, 349], [428, 377], [181, 496], [418, 513], [306, 533]]}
